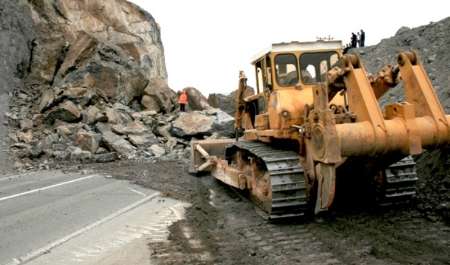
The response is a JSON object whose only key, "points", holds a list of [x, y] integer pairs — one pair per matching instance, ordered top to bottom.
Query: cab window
{"points": [[314, 66], [286, 69], [259, 77]]}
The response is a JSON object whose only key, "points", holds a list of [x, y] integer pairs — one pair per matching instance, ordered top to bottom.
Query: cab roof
{"points": [[299, 46]]}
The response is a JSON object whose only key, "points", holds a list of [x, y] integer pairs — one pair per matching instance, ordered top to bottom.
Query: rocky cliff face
{"points": [[16, 34], [111, 47]]}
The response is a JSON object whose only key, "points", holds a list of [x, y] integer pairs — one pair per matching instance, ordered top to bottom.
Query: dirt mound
{"points": [[431, 43]]}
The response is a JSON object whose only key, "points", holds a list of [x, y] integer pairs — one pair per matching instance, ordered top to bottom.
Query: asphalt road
{"points": [[43, 214]]}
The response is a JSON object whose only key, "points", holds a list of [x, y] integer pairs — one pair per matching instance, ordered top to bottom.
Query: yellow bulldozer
{"points": [[315, 117]]}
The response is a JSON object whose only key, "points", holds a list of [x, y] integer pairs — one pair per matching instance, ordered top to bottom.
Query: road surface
{"points": [[57, 218]]}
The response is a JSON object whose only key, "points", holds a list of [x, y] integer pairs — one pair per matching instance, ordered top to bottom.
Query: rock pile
{"points": [[107, 131]]}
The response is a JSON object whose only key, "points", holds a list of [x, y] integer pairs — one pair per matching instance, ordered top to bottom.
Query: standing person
{"points": [[362, 38], [358, 39], [353, 40], [183, 100]]}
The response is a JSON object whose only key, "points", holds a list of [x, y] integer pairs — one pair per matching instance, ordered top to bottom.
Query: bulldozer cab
{"points": [[295, 64]]}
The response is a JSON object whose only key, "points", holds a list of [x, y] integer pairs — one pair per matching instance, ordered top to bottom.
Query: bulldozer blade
{"points": [[204, 152]]}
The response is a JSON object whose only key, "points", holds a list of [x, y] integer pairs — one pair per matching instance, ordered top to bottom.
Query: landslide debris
{"points": [[96, 90]]}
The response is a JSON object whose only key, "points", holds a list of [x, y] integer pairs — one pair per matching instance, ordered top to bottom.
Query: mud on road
{"points": [[222, 227]]}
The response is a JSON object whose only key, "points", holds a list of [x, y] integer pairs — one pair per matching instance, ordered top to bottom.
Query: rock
{"points": [[402, 30], [115, 46], [79, 94], [158, 96], [47, 99], [196, 100], [227, 103], [122, 108], [66, 111], [143, 114], [91, 115], [112, 116], [38, 119], [203, 123], [223, 123], [26, 124], [190, 124], [135, 127], [63, 130], [66, 130], [164, 131], [13, 137], [25, 137], [49, 140], [143, 140], [88, 141], [116, 143], [21, 150], [24, 150], [101, 150], [157, 150], [78, 154], [60, 155], [105, 157]]}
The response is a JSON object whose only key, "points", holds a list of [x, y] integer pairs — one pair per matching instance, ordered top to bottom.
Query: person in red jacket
{"points": [[183, 100]]}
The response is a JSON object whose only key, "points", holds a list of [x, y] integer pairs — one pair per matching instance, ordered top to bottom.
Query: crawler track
{"points": [[287, 180], [399, 183]]}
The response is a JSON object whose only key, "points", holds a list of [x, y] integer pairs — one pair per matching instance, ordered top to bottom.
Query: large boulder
{"points": [[104, 50], [158, 96], [196, 100], [227, 102], [66, 111], [223, 122], [203, 123], [190, 124], [88, 141], [115, 142]]}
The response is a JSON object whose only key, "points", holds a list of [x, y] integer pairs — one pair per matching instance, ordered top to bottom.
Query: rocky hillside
{"points": [[16, 35], [432, 44], [94, 86]]}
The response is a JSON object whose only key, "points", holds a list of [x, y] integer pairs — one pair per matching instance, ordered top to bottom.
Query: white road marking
{"points": [[46, 188], [138, 192], [35, 254]]}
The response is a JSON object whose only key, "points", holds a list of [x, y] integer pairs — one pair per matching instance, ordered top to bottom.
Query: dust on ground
{"points": [[222, 227]]}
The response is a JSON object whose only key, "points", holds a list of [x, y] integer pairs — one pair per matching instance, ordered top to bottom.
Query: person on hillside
{"points": [[362, 38], [353, 40], [183, 100]]}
